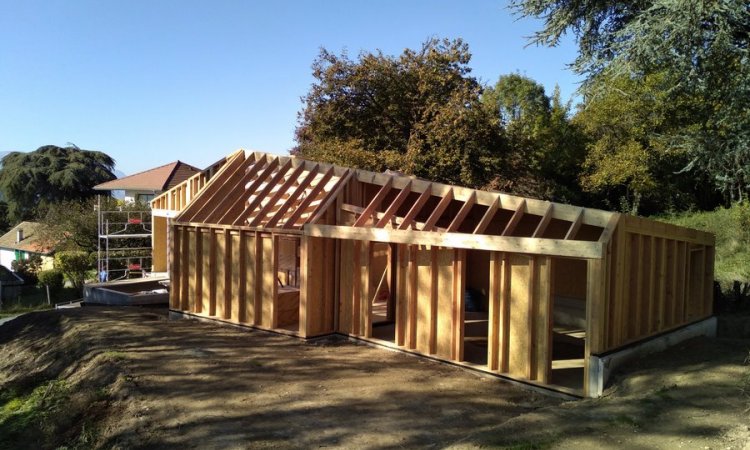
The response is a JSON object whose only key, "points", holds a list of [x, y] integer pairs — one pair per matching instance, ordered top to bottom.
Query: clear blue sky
{"points": [[149, 82]]}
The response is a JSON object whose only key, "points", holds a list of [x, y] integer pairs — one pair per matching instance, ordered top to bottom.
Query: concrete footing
{"points": [[602, 366]]}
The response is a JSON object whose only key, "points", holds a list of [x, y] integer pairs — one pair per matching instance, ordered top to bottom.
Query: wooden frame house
{"points": [[521, 288]]}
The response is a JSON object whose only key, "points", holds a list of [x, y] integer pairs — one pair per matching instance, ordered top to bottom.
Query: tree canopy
{"points": [[694, 54], [419, 113], [32, 181]]}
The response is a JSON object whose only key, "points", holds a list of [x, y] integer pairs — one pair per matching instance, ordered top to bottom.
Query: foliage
{"points": [[701, 49], [418, 113], [542, 140], [32, 181], [732, 229], [75, 265], [27, 268], [52, 278], [25, 418]]}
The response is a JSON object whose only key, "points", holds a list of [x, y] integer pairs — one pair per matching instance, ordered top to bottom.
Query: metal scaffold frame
{"points": [[117, 230]]}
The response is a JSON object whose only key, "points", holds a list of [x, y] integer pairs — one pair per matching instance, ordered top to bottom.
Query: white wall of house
{"points": [[143, 196], [7, 257]]}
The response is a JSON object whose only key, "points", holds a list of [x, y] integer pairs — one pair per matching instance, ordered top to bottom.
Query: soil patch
{"points": [[129, 378]]}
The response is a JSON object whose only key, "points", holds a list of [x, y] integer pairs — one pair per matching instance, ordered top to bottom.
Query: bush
{"points": [[75, 265], [27, 268], [52, 278]]}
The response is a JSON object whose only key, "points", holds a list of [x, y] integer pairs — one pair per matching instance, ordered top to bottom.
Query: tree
{"points": [[700, 50], [418, 113], [543, 142], [32, 181], [71, 224], [75, 265]]}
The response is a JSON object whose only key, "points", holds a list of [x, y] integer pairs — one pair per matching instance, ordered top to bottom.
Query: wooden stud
{"points": [[303, 185], [261, 195], [311, 196], [332, 197], [272, 202], [236, 203], [374, 203], [394, 206], [416, 208], [439, 209], [487, 217], [513, 222], [544, 222], [575, 226], [459, 288], [542, 316], [493, 325]]}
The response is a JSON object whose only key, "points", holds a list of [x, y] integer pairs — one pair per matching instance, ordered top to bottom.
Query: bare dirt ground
{"points": [[130, 378]]}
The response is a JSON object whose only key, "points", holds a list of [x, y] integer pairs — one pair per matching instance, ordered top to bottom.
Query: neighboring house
{"points": [[144, 186], [21, 242], [10, 285]]}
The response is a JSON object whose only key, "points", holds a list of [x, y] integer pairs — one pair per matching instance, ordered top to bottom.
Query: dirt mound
{"points": [[130, 378]]}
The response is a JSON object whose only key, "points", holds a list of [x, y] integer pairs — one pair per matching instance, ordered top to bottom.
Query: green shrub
{"points": [[75, 265], [52, 278]]}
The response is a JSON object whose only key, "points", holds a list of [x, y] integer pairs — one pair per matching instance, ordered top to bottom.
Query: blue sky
{"points": [[149, 82]]}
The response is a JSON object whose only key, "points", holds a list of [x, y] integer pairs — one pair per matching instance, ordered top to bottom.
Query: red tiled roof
{"points": [[156, 179], [30, 242]]}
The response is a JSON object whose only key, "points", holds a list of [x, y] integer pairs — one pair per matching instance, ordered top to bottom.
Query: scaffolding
{"points": [[124, 244]]}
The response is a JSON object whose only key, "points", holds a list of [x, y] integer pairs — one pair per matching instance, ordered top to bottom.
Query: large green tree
{"points": [[699, 49], [419, 113], [542, 141], [32, 181]]}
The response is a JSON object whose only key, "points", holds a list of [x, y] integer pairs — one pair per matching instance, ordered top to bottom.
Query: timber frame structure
{"points": [[521, 288]]}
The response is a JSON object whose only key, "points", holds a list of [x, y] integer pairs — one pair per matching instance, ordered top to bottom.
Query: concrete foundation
{"points": [[136, 292], [602, 366]]}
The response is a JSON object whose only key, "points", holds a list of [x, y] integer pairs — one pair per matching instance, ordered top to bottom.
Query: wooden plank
{"points": [[303, 185], [280, 192], [262, 194], [206, 195], [311, 196], [331, 197], [215, 204], [235, 204], [374, 204], [394, 206], [416, 208], [438, 211], [462, 213], [487, 217], [515, 218], [544, 222], [575, 226], [511, 244], [219, 248], [190, 249], [402, 258], [266, 259], [237, 264], [250, 271], [175, 272], [206, 273], [653, 273], [346, 285], [357, 288], [661, 288], [413, 289], [367, 290], [424, 299], [708, 300], [505, 304], [459, 307], [595, 307], [520, 311], [679, 313], [542, 317], [494, 321]]}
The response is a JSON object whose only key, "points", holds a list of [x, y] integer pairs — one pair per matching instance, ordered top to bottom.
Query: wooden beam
{"points": [[263, 193], [277, 196], [331, 196], [293, 197], [309, 199], [201, 200], [238, 200], [374, 203], [394, 206], [416, 207], [439, 209], [463, 212], [488, 216], [513, 222], [575, 226], [539, 231], [532, 246]]}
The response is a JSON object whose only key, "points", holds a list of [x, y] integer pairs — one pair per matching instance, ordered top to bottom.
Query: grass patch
{"points": [[732, 229], [15, 310], [29, 419]]}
